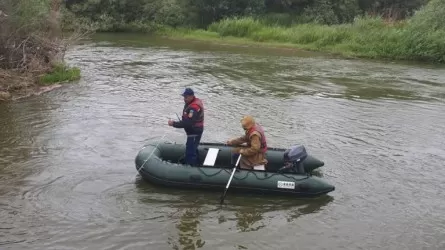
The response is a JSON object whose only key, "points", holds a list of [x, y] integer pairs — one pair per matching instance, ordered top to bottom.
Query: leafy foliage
{"points": [[113, 14], [400, 29]]}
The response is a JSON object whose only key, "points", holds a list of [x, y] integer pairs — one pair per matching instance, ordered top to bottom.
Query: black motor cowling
{"points": [[295, 153], [293, 158]]}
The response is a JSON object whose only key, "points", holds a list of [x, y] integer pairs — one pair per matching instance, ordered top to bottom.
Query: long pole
{"points": [[230, 180]]}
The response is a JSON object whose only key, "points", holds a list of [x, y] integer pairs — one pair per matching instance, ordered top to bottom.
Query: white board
{"points": [[211, 157]]}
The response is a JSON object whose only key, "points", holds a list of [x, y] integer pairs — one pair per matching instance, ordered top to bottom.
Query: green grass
{"points": [[214, 37], [366, 37], [419, 38], [60, 73]]}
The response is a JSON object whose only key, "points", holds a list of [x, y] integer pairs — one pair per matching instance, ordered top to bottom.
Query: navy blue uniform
{"points": [[193, 124]]}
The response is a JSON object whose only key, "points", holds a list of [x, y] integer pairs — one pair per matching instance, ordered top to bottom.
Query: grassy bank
{"points": [[325, 26], [366, 37], [59, 74], [15, 84]]}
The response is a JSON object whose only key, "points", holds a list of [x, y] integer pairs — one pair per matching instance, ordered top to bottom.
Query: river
{"points": [[68, 179]]}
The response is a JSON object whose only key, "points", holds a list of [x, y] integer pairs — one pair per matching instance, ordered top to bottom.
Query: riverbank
{"points": [[319, 28], [372, 38], [32, 48], [15, 85]]}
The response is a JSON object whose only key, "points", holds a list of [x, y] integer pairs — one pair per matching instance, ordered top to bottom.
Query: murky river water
{"points": [[67, 174]]}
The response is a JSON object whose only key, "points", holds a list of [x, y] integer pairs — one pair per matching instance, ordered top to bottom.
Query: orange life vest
{"points": [[198, 106], [260, 130]]}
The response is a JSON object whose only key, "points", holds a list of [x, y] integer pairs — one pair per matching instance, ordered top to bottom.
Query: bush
{"points": [[430, 17], [239, 27], [30, 35], [367, 36], [32, 43]]}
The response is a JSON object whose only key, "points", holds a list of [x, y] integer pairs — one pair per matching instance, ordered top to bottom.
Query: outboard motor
{"points": [[293, 159]]}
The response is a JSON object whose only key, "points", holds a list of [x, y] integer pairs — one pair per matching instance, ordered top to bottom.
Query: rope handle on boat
{"points": [[156, 147], [254, 173], [273, 174]]}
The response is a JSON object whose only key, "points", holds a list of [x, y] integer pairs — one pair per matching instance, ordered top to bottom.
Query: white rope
{"points": [[151, 153]]}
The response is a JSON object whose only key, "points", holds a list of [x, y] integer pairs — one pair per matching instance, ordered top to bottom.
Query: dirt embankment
{"points": [[14, 86]]}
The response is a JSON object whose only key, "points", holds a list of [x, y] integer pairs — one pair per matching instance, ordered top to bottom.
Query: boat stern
{"points": [[316, 186]]}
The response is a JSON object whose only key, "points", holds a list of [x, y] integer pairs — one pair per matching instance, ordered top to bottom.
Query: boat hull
{"points": [[159, 164]]}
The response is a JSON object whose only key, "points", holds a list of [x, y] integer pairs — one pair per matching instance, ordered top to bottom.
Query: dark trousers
{"points": [[191, 149]]}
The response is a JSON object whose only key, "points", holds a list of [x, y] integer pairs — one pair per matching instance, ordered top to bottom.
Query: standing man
{"points": [[193, 124]]}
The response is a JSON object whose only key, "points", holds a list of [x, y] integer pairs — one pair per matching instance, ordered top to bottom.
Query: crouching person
{"points": [[254, 155]]}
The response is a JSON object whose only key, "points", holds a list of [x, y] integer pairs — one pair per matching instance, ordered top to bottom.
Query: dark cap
{"points": [[188, 91]]}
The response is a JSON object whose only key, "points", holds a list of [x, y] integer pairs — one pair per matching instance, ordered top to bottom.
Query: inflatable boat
{"points": [[162, 163]]}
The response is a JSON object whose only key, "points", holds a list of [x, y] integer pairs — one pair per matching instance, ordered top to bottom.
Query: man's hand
{"points": [[170, 122]]}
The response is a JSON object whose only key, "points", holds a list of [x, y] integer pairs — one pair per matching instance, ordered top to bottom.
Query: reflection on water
{"points": [[309, 73], [21, 153], [188, 209], [185, 213], [247, 218], [188, 230]]}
